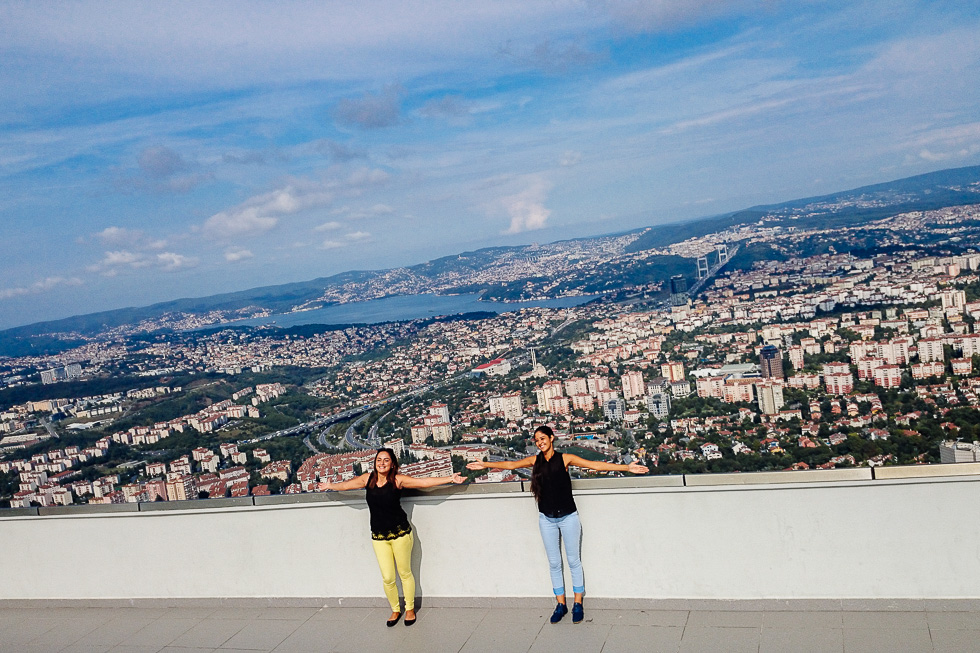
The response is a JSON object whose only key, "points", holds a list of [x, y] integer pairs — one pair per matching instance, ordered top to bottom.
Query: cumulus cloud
{"points": [[370, 110], [526, 209], [376, 211], [262, 212], [328, 226], [358, 236], [330, 244], [234, 254], [117, 261], [40, 286]]}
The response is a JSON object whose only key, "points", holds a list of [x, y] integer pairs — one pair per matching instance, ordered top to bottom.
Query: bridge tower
{"points": [[722, 250], [702, 267]]}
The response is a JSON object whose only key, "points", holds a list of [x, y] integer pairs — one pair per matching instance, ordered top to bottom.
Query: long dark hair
{"points": [[540, 471], [390, 476]]}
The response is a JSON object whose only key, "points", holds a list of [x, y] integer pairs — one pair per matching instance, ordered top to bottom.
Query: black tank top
{"points": [[555, 495], [388, 518]]}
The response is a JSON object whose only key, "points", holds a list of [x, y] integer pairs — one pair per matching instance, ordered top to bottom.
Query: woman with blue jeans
{"points": [[558, 519]]}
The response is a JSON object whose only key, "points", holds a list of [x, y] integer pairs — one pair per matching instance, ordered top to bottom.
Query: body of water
{"points": [[405, 307]]}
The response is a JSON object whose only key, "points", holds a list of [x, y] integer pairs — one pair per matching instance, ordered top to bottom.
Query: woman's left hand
{"points": [[637, 468], [458, 478]]}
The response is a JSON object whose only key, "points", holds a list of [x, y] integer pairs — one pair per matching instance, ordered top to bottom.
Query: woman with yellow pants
{"points": [[391, 534]]}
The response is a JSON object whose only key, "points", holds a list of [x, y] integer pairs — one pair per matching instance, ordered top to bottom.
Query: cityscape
{"points": [[779, 349]]}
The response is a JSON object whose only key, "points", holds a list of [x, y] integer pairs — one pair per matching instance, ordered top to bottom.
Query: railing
{"points": [[892, 532]]}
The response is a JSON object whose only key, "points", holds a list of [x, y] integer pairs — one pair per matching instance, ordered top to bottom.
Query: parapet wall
{"points": [[784, 535]]}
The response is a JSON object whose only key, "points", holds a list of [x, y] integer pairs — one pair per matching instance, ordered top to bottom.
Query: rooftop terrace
{"points": [[845, 560]]}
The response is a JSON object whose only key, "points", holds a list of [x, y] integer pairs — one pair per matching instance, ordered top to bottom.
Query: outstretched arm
{"points": [[503, 464], [601, 466], [411, 482], [355, 483]]}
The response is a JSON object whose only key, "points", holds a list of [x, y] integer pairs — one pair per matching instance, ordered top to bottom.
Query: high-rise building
{"points": [[678, 290], [771, 362], [633, 386], [770, 397], [658, 403], [613, 409]]}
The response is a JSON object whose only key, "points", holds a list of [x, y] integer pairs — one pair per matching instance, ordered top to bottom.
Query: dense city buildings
{"points": [[790, 362]]}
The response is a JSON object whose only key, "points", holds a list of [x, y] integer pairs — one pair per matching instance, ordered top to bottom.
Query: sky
{"points": [[151, 151]]}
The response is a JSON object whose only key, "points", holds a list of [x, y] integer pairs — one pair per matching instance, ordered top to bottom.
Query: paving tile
{"points": [[187, 612], [288, 613], [250, 614], [352, 615], [537, 615], [638, 617], [727, 619], [884, 619], [803, 620], [953, 620], [116, 630], [23, 631], [66, 631], [160, 633], [210, 633], [437, 634], [263, 635], [318, 635], [566, 636], [369, 637], [494, 637], [628, 639], [698, 639], [802, 640], [876, 640], [955, 640], [133, 648]]}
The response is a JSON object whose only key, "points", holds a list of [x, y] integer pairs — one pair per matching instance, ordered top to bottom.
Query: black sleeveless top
{"points": [[555, 495], [388, 518]]}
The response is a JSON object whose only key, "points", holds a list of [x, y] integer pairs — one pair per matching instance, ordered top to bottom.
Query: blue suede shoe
{"points": [[560, 611], [578, 613]]}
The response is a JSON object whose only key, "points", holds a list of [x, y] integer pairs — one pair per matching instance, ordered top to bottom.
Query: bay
{"points": [[406, 307]]}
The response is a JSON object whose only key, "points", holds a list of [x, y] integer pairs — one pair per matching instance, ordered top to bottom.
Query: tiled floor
{"points": [[148, 630]]}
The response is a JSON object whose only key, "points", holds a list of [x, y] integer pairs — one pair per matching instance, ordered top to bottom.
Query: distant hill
{"points": [[933, 190]]}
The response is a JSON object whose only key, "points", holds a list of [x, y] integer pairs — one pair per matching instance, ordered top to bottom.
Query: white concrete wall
{"points": [[912, 538]]}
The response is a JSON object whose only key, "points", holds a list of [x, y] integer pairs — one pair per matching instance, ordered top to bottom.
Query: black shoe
{"points": [[560, 611], [578, 613], [392, 622], [409, 622]]}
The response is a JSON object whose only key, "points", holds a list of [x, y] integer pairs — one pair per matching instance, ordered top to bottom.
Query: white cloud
{"points": [[526, 209], [262, 212], [328, 226], [358, 236], [330, 244], [237, 254], [116, 261], [40, 286]]}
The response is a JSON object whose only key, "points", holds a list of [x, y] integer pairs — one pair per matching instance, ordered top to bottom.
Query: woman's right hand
{"points": [[477, 465]]}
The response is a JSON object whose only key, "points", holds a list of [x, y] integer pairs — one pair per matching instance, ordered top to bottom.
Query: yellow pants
{"points": [[391, 553]]}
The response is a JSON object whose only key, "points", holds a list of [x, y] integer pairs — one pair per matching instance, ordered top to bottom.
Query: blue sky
{"points": [[150, 151]]}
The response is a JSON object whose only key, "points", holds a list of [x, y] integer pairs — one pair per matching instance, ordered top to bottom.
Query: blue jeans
{"points": [[569, 529]]}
